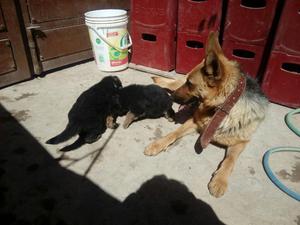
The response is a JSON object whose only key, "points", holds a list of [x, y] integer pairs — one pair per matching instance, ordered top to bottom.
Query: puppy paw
{"points": [[170, 119], [111, 122], [126, 125], [155, 148], [217, 186]]}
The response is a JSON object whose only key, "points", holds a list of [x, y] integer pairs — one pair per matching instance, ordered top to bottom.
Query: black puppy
{"points": [[144, 101], [92, 113]]}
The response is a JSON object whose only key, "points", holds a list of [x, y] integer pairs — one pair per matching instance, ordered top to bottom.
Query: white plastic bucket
{"points": [[109, 37]]}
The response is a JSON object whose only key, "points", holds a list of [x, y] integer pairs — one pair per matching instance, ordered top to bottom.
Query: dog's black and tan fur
{"points": [[211, 82], [144, 101], [92, 113]]}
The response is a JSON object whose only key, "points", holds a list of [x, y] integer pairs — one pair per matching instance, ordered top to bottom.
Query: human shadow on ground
{"points": [[36, 189]]}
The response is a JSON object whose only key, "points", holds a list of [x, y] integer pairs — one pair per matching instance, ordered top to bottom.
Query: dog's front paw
{"points": [[155, 148], [217, 186]]}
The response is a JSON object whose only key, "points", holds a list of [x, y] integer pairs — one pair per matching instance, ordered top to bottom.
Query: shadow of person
{"points": [[36, 190], [163, 201]]}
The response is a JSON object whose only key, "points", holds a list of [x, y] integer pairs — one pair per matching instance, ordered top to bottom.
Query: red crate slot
{"points": [[154, 13], [199, 17], [249, 21], [288, 32], [153, 48], [190, 51], [248, 56], [282, 79]]}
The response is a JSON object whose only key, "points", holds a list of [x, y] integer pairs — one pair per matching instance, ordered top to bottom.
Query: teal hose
{"points": [[288, 121], [269, 172], [272, 176]]}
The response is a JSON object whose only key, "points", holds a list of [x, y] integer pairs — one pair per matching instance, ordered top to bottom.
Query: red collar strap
{"points": [[222, 112]]}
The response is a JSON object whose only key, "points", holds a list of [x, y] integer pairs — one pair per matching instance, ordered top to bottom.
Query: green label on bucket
{"points": [[98, 41], [114, 54], [116, 57]]}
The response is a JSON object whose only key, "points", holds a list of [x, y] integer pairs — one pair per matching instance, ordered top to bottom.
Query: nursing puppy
{"points": [[210, 83], [144, 101], [92, 113]]}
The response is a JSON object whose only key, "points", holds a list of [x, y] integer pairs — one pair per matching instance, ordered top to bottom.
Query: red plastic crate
{"points": [[154, 13], [199, 17], [249, 21], [288, 32], [153, 47], [190, 51], [248, 56], [282, 79]]}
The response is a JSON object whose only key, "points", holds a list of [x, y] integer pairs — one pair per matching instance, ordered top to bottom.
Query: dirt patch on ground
{"points": [[25, 95], [4, 98], [18, 115], [21, 115], [158, 133], [251, 170], [294, 176]]}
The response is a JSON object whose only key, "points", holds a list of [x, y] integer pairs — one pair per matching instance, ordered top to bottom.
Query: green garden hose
{"points": [[288, 121], [266, 157], [272, 176]]}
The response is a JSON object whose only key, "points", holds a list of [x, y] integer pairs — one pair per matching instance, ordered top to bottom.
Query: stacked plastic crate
{"points": [[195, 20], [153, 31], [246, 31], [282, 77]]}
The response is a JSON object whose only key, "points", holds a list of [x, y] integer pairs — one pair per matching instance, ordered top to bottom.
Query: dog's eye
{"points": [[203, 71], [189, 84]]}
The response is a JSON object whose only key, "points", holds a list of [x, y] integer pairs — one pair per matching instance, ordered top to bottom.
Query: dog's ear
{"points": [[213, 66]]}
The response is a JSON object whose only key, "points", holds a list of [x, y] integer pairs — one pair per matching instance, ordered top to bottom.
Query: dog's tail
{"points": [[65, 135]]}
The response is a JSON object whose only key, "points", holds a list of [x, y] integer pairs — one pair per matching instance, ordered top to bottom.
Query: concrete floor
{"points": [[113, 182]]}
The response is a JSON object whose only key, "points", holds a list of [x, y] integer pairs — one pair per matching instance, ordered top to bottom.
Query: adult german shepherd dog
{"points": [[211, 83]]}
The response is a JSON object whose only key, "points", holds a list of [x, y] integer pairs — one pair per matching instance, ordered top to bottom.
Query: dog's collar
{"points": [[222, 112]]}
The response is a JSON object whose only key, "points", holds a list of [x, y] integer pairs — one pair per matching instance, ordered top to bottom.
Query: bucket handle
{"points": [[121, 49]]}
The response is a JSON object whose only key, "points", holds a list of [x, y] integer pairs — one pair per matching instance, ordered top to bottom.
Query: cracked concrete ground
{"points": [[113, 182]]}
